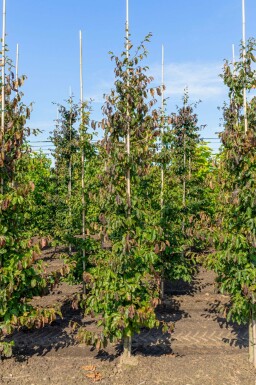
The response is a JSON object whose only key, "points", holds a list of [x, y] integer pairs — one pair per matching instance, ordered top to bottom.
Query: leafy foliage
{"points": [[235, 260], [20, 273], [123, 282]]}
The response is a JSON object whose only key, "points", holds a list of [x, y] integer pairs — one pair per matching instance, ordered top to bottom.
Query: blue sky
{"points": [[197, 36]]}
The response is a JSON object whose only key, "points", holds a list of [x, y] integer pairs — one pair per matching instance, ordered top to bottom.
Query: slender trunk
{"points": [[162, 288], [254, 333], [254, 340], [127, 347], [251, 347]]}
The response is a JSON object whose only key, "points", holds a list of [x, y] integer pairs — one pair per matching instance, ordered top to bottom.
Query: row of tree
{"points": [[139, 231]]}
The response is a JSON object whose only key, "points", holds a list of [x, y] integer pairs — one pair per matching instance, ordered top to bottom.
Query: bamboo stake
{"points": [[244, 53], [233, 57], [17, 63], [234, 72], [17, 73], [3, 88], [17, 91], [162, 130], [82, 156], [70, 167], [162, 167], [128, 178], [184, 178], [128, 340]]}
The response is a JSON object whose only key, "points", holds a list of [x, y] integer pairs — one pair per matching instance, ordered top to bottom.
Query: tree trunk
{"points": [[162, 289], [254, 333], [254, 340], [127, 347], [251, 347]]}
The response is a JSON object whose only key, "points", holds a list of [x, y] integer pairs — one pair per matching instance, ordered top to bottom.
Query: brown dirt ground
{"points": [[204, 348]]}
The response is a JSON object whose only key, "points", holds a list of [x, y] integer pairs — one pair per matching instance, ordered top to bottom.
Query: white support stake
{"points": [[244, 53], [233, 57], [17, 63], [17, 72], [3, 87], [162, 130], [82, 156], [70, 165], [128, 177]]}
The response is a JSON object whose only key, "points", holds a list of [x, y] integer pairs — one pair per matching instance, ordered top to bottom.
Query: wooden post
{"points": [[244, 53], [3, 89], [82, 156]]}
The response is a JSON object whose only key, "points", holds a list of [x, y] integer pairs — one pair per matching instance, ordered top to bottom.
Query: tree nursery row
{"points": [[147, 203]]}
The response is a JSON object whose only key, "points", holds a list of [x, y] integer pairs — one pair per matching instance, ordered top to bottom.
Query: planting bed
{"points": [[203, 349]]}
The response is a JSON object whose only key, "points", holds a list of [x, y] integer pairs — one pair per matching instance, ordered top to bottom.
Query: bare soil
{"points": [[204, 348]]}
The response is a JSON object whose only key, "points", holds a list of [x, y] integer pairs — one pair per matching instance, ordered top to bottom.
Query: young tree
{"points": [[65, 138], [186, 163], [235, 259], [20, 273], [123, 282]]}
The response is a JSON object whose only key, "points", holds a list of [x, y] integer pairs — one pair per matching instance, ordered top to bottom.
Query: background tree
{"points": [[235, 258], [20, 272]]}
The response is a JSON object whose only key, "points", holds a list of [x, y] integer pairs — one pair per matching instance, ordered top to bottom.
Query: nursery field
{"points": [[129, 257], [202, 349]]}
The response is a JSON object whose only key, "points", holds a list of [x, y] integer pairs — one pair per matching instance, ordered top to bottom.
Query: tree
{"points": [[187, 197], [235, 258], [20, 272], [123, 282]]}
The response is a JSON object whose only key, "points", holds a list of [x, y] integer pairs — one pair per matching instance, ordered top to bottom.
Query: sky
{"points": [[197, 36]]}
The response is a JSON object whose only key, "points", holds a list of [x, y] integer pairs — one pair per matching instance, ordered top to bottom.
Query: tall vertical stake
{"points": [[244, 53], [233, 57], [17, 63], [17, 72], [3, 89], [128, 125], [162, 131], [82, 156], [70, 166], [162, 167], [128, 340]]}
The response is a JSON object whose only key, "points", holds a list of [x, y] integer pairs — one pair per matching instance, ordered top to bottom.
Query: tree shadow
{"points": [[240, 332], [51, 337]]}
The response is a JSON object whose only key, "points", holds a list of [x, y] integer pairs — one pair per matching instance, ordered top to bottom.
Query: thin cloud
{"points": [[202, 79]]}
